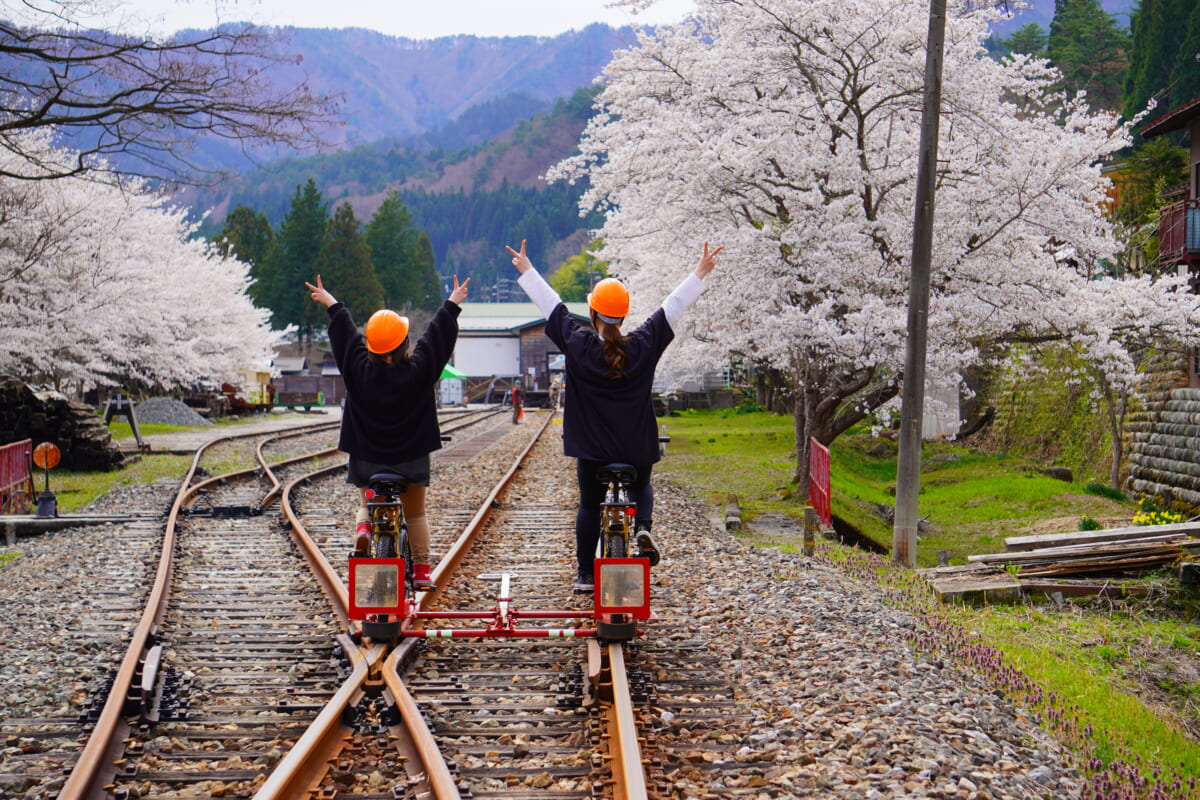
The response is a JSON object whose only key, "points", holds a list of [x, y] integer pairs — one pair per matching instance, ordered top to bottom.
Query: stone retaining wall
{"points": [[1163, 439]]}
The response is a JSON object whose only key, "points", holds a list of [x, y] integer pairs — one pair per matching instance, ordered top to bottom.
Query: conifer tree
{"points": [[1027, 40], [1090, 50], [1165, 55], [247, 236], [300, 239], [393, 239], [344, 264], [426, 274]]}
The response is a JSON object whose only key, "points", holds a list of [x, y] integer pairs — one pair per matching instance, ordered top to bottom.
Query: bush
{"points": [[1104, 490], [1089, 524]]}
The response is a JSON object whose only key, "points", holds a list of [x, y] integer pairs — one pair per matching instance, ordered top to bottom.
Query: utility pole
{"points": [[912, 397]]}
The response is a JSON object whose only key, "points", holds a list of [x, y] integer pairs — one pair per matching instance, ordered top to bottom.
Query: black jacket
{"points": [[391, 412], [606, 418]]}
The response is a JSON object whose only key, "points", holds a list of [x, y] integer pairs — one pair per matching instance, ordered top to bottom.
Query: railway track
{"points": [[233, 676]]}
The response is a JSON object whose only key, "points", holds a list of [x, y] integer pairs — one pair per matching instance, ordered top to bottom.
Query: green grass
{"points": [[123, 431], [726, 454], [75, 490], [970, 501], [1093, 661]]}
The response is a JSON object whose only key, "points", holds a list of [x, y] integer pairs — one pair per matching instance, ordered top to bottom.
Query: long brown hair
{"points": [[613, 343]]}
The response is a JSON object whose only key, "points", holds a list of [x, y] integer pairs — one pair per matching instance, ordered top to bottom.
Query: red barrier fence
{"points": [[16, 477], [818, 480]]}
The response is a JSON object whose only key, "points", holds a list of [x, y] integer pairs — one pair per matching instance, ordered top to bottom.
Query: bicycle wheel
{"points": [[614, 545], [385, 546], [406, 550], [410, 586]]}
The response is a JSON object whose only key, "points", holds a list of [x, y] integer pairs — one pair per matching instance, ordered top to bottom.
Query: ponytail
{"points": [[613, 344]]}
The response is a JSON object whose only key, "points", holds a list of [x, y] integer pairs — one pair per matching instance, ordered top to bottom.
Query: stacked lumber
{"points": [[1116, 551]]}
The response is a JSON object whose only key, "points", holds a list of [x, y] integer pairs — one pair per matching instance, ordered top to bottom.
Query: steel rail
{"points": [[271, 496], [331, 582], [300, 772], [437, 772], [629, 772], [437, 776], [80, 783]]}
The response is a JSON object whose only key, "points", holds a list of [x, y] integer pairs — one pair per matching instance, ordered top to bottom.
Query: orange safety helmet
{"points": [[610, 300], [386, 330]]}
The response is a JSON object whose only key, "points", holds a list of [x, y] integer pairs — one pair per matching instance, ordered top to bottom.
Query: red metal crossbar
{"points": [[16, 477], [818, 480]]}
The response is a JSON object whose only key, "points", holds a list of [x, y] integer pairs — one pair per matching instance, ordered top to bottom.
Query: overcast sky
{"points": [[416, 19]]}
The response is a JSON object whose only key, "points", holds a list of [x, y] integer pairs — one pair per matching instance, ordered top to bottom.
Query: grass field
{"points": [[969, 502]]}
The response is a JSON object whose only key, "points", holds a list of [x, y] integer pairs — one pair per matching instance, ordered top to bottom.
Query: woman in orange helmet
{"points": [[608, 415], [389, 423]]}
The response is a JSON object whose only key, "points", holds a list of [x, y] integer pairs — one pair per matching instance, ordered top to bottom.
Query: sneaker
{"points": [[362, 540], [646, 548], [422, 582], [584, 584]]}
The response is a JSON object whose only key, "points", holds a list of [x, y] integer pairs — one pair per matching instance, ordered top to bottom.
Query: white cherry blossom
{"points": [[788, 133]]}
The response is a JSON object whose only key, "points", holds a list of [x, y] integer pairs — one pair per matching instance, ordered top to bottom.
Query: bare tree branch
{"points": [[136, 105]]}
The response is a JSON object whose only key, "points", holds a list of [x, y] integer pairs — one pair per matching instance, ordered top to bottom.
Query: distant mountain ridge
{"points": [[392, 87]]}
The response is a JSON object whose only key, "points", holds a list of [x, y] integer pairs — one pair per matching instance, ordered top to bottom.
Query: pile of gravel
{"points": [[167, 411]]}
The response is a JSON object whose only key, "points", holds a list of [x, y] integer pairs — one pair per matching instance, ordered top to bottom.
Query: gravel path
{"points": [[839, 701], [839, 704]]}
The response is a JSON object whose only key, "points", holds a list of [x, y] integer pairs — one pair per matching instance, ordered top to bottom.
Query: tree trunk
{"points": [[1116, 406], [822, 413], [801, 425]]}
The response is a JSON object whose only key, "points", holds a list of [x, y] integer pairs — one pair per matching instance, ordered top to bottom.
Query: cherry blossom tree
{"points": [[788, 133], [100, 284]]}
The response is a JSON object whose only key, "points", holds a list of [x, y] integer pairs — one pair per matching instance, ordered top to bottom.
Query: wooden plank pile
{"points": [[1115, 551]]}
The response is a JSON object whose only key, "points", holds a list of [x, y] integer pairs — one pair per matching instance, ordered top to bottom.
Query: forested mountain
{"points": [[391, 87], [463, 127], [470, 202]]}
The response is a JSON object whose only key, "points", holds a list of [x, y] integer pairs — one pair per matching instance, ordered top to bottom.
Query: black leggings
{"points": [[591, 495]]}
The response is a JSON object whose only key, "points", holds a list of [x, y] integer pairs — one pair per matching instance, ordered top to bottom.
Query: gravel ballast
{"points": [[838, 702]]}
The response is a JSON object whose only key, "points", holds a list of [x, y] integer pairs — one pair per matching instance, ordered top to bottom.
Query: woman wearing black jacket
{"points": [[608, 415], [389, 422]]}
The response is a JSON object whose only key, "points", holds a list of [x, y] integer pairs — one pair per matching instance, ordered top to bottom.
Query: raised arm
{"points": [[460, 292], [540, 292], [687, 292], [320, 294]]}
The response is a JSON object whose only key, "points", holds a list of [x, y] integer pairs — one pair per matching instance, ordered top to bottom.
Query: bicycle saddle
{"points": [[621, 473], [387, 477]]}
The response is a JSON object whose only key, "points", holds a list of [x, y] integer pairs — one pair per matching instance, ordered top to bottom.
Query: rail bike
{"points": [[383, 598]]}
